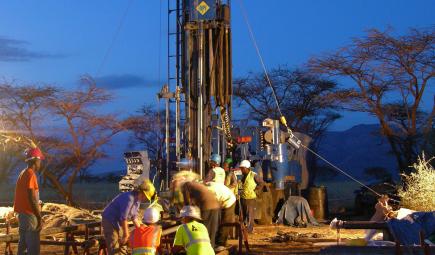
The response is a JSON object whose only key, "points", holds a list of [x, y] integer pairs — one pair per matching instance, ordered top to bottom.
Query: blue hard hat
{"points": [[216, 158]]}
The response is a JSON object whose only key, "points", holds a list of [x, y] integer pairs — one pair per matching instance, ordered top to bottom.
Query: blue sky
{"points": [[55, 41]]}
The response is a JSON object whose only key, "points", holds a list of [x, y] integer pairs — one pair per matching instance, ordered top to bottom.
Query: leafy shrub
{"points": [[419, 192]]}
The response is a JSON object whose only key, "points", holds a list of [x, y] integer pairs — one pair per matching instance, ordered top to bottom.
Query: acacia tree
{"points": [[382, 66], [308, 102], [22, 110], [86, 130], [148, 130], [77, 132]]}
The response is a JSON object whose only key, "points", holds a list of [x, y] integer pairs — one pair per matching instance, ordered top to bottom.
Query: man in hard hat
{"points": [[216, 173], [230, 176], [251, 184], [186, 187], [227, 201], [26, 204], [118, 212], [192, 236], [145, 240]]}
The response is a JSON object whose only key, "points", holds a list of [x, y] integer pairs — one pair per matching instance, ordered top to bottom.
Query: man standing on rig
{"points": [[26, 204]]}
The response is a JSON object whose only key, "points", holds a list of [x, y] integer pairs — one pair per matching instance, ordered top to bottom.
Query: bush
{"points": [[419, 192]]}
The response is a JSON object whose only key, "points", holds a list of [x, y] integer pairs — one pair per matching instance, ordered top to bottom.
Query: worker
{"points": [[216, 173], [230, 176], [251, 184], [185, 186], [227, 201], [26, 204], [118, 212], [381, 214], [192, 236], [145, 239]]}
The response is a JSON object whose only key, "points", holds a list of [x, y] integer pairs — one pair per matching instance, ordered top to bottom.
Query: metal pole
{"points": [[177, 82], [167, 99], [200, 99], [177, 121], [167, 143]]}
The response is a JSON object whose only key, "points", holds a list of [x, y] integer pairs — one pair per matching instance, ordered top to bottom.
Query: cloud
{"points": [[12, 50], [123, 81]]}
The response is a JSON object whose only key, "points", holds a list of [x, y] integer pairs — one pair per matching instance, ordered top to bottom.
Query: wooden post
{"points": [[8, 248]]}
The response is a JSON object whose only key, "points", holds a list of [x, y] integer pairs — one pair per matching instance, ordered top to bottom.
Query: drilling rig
{"points": [[199, 71], [200, 76]]}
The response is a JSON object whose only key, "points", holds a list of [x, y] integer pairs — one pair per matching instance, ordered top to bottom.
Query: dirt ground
{"points": [[271, 240], [291, 240]]}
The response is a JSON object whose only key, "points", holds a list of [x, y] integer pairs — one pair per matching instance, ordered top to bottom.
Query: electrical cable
{"points": [[251, 33], [115, 36]]}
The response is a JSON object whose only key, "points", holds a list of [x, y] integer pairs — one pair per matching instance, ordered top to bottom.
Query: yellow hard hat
{"points": [[147, 187]]}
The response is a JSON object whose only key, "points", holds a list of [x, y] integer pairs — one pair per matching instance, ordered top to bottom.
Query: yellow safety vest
{"points": [[219, 175], [228, 182], [248, 186], [194, 237]]}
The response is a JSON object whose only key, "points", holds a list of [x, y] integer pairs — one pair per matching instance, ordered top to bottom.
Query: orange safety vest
{"points": [[145, 239]]}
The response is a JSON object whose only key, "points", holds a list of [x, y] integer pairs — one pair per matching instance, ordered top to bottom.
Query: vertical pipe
{"points": [[177, 82], [200, 99], [167, 100], [177, 122], [167, 143]]}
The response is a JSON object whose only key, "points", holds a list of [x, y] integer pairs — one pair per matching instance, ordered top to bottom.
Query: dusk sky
{"points": [[54, 42]]}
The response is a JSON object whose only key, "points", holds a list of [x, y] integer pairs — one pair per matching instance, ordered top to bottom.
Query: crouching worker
{"points": [[115, 219], [192, 236], [145, 240]]}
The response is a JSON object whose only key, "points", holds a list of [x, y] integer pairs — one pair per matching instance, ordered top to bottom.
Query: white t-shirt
{"points": [[224, 195]]}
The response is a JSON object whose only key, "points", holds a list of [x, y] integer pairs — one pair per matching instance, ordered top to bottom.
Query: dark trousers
{"points": [[248, 209], [227, 216], [211, 220], [29, 236]]}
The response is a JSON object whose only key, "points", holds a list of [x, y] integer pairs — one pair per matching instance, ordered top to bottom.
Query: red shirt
{"points": [[26, 180]]}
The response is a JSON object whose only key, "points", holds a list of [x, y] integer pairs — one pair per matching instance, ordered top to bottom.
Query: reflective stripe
{"points": [[155, 235], [191, 240], [143, 250]]}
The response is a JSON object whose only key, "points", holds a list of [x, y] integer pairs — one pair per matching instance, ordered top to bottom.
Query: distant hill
{"points": [[358, 148]]}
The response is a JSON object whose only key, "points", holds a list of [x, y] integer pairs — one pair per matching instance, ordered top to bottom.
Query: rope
{"points": [[245, 16], [118, 29], [251, 34], [338, 169]]}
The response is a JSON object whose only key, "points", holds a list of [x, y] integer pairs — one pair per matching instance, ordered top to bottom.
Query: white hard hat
{"points": [[245, 163], [191, 211], [151, 215]]}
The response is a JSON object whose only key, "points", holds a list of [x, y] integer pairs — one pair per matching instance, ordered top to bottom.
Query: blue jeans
{"points": [[29, 236]]}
